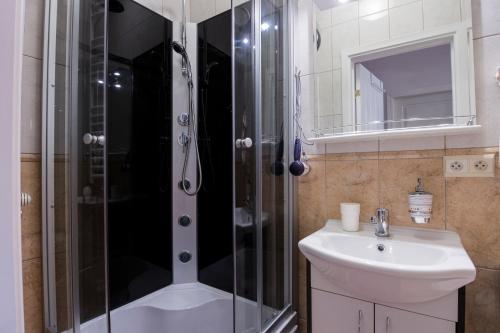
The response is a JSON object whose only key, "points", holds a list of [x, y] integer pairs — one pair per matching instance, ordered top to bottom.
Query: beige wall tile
{"points": [[33, 28], [31, 105], [471, 151], [432, 153], [352, 156], [30, 158], [399, 177], [352, 181], [31, 184], [311, 197], [473, 210], [31, 217], [31, 246], [33, 295], [483, 303], [302, 326]]}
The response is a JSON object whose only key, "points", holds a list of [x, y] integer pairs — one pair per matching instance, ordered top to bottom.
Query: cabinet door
{"points": [[332, 313], [390, 320]]}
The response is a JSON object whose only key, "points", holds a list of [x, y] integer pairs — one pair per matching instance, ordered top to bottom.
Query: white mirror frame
{"points": [[459, 36]]}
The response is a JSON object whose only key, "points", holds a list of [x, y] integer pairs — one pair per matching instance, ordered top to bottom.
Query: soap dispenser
{"points": [[420, 203]]}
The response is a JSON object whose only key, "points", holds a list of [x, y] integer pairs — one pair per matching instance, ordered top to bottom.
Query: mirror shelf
{"points": [[397, 133]]}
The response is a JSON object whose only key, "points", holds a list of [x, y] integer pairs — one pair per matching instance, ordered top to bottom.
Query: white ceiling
{"points": [[326, 4]]}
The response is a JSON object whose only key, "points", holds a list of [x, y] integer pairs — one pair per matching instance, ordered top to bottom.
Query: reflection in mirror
{"points": [[384, 69], [405, 90]]}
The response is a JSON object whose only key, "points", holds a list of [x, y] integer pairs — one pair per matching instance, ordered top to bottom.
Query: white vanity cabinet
{"points": [[333, 313], [390, 320]]}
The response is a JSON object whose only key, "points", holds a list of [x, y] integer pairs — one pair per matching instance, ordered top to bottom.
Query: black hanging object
{"points": [[297, 168]]}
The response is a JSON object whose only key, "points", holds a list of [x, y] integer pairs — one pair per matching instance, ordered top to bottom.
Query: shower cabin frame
{"points": [[286, 320]]}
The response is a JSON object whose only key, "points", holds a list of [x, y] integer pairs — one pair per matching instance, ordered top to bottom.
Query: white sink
{"points": [[414, 265]]}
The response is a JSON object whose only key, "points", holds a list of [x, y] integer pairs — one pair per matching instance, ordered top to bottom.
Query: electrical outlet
{"points": [[456, 166], [470, 166], [482, 166]]}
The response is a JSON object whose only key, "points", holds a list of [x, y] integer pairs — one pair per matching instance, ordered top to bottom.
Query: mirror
{"points": [[393, 69], [405, 90]]}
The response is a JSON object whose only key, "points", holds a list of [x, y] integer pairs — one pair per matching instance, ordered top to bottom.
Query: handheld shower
{"points": [[181, 50], [191, 123]]}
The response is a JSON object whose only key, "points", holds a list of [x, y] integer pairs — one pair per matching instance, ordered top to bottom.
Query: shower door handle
{"points": [[90, 139], [245, 143]]}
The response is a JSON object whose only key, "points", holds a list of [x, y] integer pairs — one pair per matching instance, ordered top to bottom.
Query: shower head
{"points": [[178, 48]]}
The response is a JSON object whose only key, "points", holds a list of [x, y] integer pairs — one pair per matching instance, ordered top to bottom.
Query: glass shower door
{"points": [[261, 126], [246, 163], [88, 165], [74, 187]]}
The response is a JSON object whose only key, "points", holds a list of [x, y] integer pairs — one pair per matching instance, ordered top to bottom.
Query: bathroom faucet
{"points": [[381, 220]]}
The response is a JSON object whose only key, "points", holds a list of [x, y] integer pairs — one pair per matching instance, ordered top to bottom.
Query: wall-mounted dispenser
{"points": [[420, 203]]}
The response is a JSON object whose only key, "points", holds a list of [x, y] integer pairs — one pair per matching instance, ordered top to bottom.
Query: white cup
{"points": [[350, 216]]}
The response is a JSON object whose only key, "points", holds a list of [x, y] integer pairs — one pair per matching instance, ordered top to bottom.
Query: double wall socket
{"points": [[470, 166]]}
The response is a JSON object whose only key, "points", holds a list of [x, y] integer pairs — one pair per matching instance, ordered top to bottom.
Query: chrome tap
{"points": [[381, 220]]}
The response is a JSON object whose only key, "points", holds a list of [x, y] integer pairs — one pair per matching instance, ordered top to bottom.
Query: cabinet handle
{"points": [[360, 318], [387, 324]]}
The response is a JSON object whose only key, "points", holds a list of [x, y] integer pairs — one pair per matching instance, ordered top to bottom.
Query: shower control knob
{"points": [[183, 119], [90, 139], [244, 143]]}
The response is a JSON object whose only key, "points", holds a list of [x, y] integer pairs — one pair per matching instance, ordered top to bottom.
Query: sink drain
{"points": [[381, 247]]}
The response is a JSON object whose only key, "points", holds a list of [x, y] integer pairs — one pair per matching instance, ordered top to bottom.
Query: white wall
{"points": [[171, 9], [202, 10], [368, 21], [11, 37]]}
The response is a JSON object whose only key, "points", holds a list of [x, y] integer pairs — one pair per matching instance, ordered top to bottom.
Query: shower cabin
{"points": [[167, 205]]}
